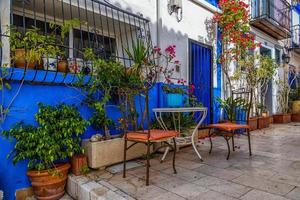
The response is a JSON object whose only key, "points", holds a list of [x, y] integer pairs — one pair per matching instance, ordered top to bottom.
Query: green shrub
{"points": [[56, 138]]}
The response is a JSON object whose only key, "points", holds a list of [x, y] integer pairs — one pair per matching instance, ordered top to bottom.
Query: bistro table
{"points": [[176, 112]]}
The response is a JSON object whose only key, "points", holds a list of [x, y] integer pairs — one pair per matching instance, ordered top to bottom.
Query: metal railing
{"points": [[279, 11], [104, 28]]}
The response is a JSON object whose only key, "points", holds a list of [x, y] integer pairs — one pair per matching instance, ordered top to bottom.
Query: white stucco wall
{"points": [[165, 30]]}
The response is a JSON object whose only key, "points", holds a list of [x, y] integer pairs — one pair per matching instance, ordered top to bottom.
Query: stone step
{"points": [[84, 188]]}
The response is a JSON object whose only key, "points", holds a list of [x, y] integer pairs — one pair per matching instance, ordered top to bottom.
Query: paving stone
{"points": [[218, 172], [185, 174], [289, 179], [170, 183], [73, 184], [108, 185], [265, 185], [222, 186], [136, 188], [85, 189], [189, 190], [294, 194], [212, 195], [260, 195], [167, 196], [66, 197]]}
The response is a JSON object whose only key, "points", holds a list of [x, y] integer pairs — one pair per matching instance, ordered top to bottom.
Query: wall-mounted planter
{"points": [[174, 100], [282, 118], [263, 122], [253, 123], [105, 153]]}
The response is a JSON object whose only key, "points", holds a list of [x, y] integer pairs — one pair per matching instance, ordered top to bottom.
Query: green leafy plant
{"points": [[35, 44], [257, 71], [169, 89], [284, 89], [295, 94], [231, 105], [56, 138], [84, 170]]}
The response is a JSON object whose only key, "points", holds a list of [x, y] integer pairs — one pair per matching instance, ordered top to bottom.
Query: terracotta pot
{"points": [[20, 61], [62, 66], [296, 117], [282, 118], [271, 119], [263, 122], [253, 123], [77, 163], [46, 186]]}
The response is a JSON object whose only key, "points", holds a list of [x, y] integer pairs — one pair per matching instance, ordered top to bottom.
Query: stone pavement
{"points": [[272, 173]]}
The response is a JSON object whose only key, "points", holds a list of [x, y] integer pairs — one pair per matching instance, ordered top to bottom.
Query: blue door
{"points": [[200, 75]]}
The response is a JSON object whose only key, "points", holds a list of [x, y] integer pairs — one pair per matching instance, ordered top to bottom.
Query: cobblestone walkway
{"points": [[272, 173]]}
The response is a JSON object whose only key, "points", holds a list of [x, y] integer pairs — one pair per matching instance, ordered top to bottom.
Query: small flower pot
{"points": [[20, 60], [50, 64], [75, 65], [62, 66], [174, 100], [282, 118], [263, 122], [253, 123], [78, 162], [48, 186]]}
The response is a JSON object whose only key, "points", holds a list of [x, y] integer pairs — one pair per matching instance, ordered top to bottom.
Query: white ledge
{"points": [[207, 5]]}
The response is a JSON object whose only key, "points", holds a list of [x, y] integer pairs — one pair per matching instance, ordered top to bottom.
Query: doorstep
{"points": [[94, 186]]}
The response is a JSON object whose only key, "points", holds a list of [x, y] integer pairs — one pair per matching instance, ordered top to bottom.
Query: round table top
{"points": [[181, 109]]}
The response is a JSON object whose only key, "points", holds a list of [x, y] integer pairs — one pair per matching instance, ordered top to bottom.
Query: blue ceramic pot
{"points": [[174, 100]]}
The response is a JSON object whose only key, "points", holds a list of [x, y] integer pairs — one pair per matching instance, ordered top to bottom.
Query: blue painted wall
{"points": [[24, 108]]}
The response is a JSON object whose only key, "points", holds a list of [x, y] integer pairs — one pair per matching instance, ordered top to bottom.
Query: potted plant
{"points": [[258, 71], [174, 95], [295, 98], [283, 111], [263, 120], [47, 146], [79, 164]]}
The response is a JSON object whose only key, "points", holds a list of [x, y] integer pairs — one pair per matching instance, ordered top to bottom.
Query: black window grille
{"points": [[105, 28]]}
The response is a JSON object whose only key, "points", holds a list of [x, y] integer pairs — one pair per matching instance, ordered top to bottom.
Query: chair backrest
{"points": [[241, 105]]}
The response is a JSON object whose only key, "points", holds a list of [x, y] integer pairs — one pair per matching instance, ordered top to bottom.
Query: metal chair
{"points": [[237, 121], [149, 137]]}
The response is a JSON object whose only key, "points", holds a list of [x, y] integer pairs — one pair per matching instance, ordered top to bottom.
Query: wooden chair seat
{"points": [[229, 126], [155, 135]]}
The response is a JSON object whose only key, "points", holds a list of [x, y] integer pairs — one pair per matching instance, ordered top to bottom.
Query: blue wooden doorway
{"points": [[201, 74]]}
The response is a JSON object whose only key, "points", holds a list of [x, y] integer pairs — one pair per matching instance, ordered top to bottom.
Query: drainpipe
{"points": [[5, 7], [158, 42]]}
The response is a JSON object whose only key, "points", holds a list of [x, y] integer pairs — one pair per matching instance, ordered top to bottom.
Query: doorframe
{"points": [[190, 41]]}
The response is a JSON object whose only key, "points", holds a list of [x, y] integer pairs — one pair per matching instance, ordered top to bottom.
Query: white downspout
{"points": [[5, 24]]}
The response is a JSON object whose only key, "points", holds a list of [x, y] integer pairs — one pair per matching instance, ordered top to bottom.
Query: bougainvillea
{"points": [[235, 32]]}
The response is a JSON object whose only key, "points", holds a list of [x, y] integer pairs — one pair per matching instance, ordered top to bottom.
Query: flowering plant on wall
{"points": [[235, 33], [167, 63]]}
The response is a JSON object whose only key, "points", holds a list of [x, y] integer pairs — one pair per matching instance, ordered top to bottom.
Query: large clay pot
{"points": [[20, 62], [282, 118], [263, 122], [253, 123], [77, 163], [47, 186]]}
